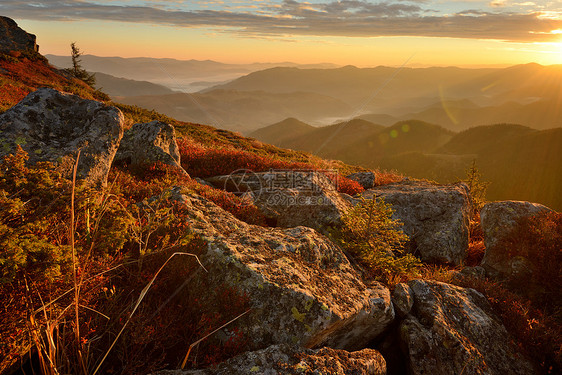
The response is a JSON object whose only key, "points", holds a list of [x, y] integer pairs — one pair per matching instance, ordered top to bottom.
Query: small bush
{"points": [[477, 187], [370, 234], [539, 240], [535, 333]]}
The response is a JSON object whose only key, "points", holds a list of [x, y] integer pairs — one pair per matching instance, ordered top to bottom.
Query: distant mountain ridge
{"points": [[175, 74], [455, 98]]}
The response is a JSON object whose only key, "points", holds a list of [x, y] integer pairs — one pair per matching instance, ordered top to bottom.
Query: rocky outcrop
{"points": [[13, 38], [53, 126], [148, 143], [365, 179], [290, 198], [435, 217], [498, 220], [302, 288], [402, 299], [453, 330], [288, 360]]}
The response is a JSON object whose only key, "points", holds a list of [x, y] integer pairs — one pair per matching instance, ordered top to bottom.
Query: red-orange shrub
{"points": [[203, 162], [539, 240], [536, 334]]}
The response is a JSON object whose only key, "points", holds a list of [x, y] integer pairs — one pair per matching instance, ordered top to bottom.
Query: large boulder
{"points": [[13, 38], [53, 126], [149, 143], [290, 198], [435, 217], [498, 220], [302, 288], [453, 330], [288, 360]]}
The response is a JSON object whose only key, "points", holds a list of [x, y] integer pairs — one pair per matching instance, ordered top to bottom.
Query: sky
{"points": [[356, 32]]}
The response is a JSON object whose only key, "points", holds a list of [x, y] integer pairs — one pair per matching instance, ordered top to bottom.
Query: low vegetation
{"points": [[371, 235], [122, 238]]}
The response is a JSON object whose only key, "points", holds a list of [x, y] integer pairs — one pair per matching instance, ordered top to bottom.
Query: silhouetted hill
{"points": [[115, 86], [282, 133], [404, 136], [481, 138], [329, 141], [335, 141], [358, 141]]}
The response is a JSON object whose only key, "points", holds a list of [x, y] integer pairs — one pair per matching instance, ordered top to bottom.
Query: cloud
{"points": [[350, 18]]}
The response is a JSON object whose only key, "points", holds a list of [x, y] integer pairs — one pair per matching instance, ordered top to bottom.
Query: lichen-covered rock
{"points": [[13, 38], [53, 126], [149, 143], [365, 179], [290, 198], [435, 217], [498, 220], [301, 287], [403, 299], [453, 330], [288, 360]]}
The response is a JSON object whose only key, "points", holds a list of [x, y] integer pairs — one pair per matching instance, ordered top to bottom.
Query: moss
{"points": [[297, 315]]}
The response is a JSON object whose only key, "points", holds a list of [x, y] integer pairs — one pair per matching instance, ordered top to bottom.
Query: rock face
{"points": [[13, 38], [53, 126], [148, 143], [365, 179], [290, 198], [435, 217], [498, 220], [302, 288], [402, 299], [452, 330], [287, 360]]}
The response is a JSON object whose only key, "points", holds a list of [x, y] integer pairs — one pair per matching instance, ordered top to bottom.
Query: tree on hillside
{"points": [[77, 71]]}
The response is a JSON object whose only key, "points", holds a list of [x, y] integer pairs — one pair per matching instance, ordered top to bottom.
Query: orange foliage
{"points": [[203, 162]]}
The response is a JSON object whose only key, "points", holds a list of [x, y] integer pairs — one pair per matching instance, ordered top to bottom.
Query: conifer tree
{"points": [[77, 71]]}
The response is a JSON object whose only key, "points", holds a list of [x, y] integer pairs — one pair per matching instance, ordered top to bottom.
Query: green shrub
{"points": [[371, 235]]}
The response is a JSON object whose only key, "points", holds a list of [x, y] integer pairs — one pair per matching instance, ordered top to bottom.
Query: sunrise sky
{"points": [[362, 33]]}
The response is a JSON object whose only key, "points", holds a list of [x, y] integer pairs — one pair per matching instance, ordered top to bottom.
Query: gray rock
{"points": [[13, 38], [53, 126], [148, 143], [365, 179], [290, 198], [435, 217], [498, 220], [302, 288], [403, 299], [453, 330], [287, 360]]}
